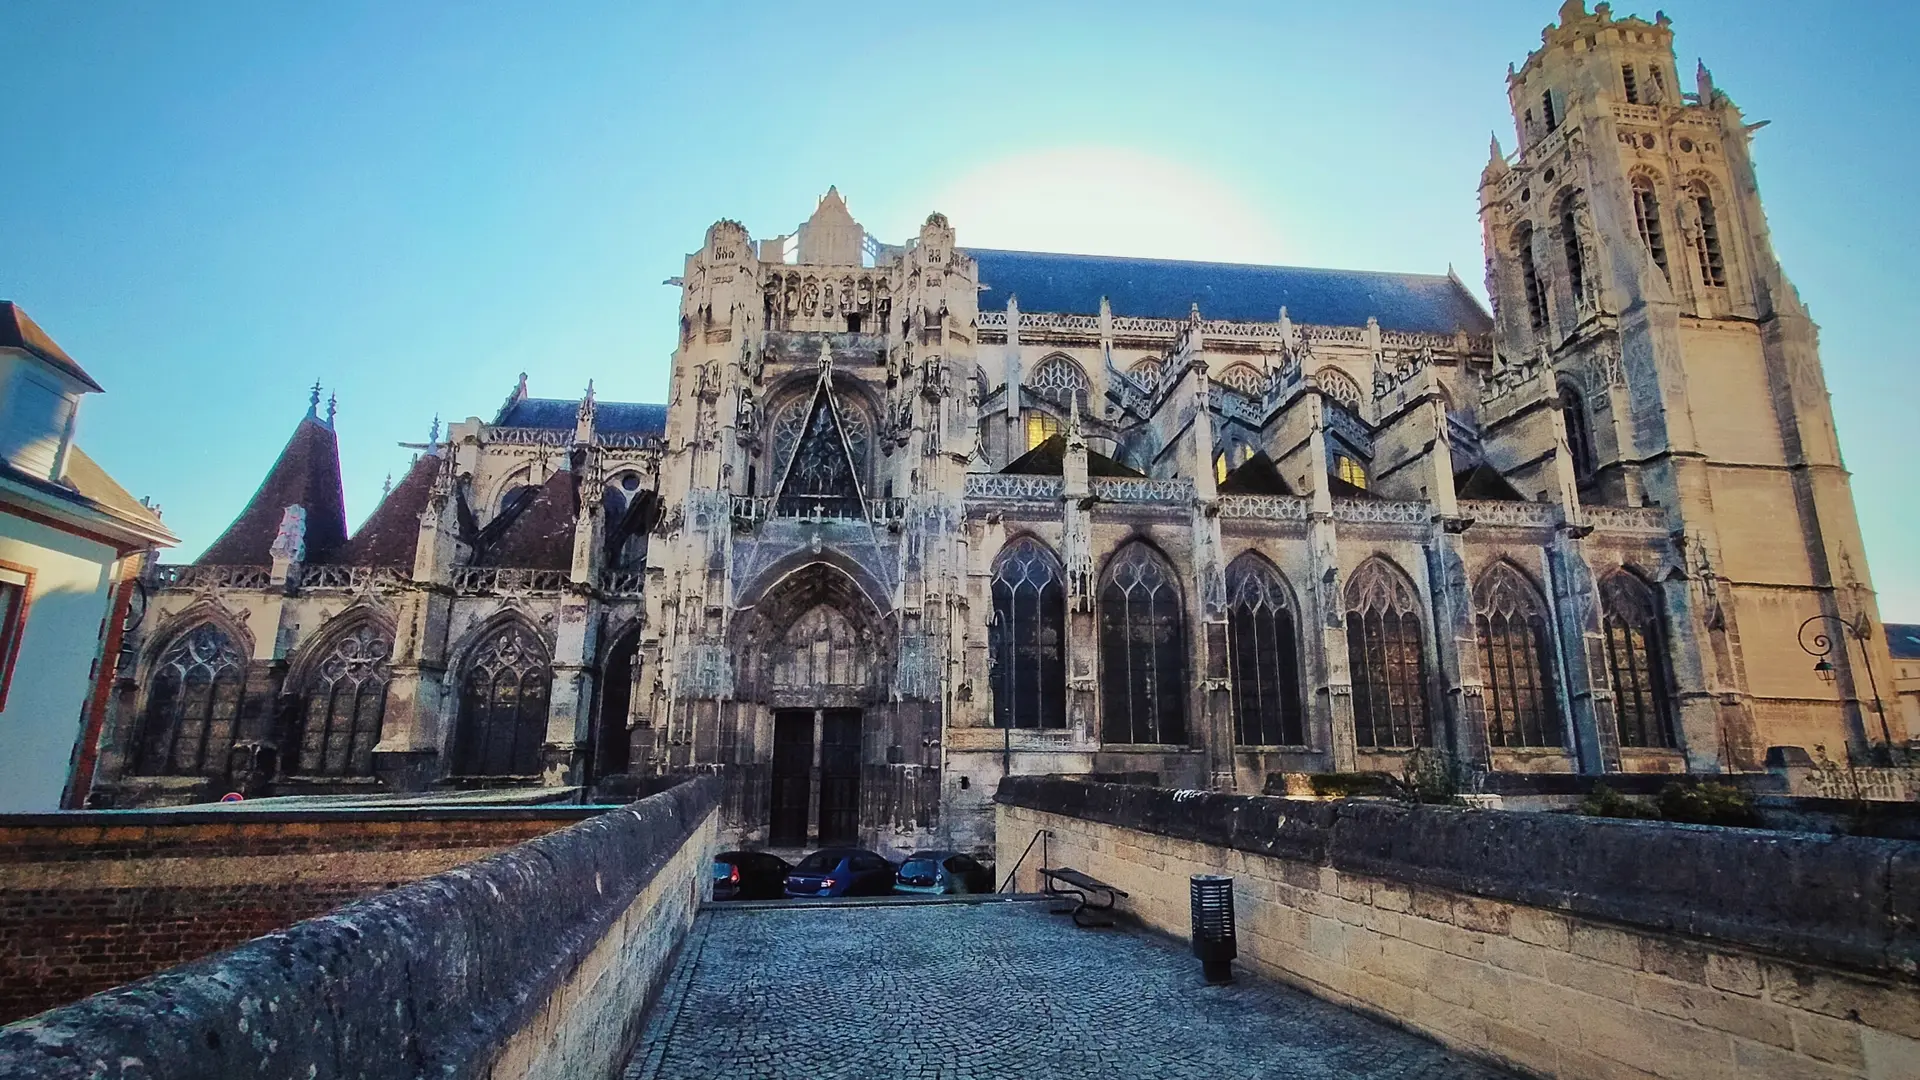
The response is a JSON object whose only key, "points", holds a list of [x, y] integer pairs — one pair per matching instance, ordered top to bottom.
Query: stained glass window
{"points": [[1059, 379], [1040, 427], [821, 477], [1027, 640], [1143, 650], [1265, 656], [1386, 658], [1637, 661], [1516, 664], [346, 697], [193, 705], [503, 705]]}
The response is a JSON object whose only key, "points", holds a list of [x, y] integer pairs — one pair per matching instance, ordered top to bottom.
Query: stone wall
{"points": [[93, 900], [1566, 947], [536, 961]]}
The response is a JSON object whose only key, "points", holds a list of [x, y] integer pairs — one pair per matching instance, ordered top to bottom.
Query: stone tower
{"points": [[1629, 262]]}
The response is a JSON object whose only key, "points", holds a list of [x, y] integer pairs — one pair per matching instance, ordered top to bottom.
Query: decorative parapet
{"points": [[1039, 324], [526, 436], [1015, 487], [1176, 491], [1263, 507], [1382, 512], [1507, 512], [1639, 519], [190, 576], [353, 578], [507, 579], [623, 582]]}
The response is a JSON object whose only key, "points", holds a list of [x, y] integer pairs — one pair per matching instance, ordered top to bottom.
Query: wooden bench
{"points": [[1085, 890]]}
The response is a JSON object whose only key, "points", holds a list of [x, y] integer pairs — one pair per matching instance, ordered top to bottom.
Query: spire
{"points": [[1703, 80], [313, 401], [333, 406], [583, 417], [433, 433], [305, 475], [386, 486]]}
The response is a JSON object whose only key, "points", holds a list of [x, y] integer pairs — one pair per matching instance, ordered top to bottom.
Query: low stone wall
{"points": [[89, 901], [1565, 947], [534, 962]]}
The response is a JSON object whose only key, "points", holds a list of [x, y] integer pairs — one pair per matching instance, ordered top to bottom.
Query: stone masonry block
{"points": [[1389, 897], [1430, 904], [1489, 916], [1541, 928], [1615, 947], [1511, 954], [1674, 959], [1735, 974], [1589, 977], [1877, 1005], [1731, 1013], [1834, 1041], [1660, 1045], [1891, 1057], [1759, 1059]]}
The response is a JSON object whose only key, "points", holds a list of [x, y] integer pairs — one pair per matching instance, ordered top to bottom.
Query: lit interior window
{"points": [[1040, 427], [1350, 471]]}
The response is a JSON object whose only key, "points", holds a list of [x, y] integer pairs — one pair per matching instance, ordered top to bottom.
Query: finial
{"points": [[1493, 149], [826, 357], [589, 389], [313, 400], [333, 406], [433, 434], [386, 489]]}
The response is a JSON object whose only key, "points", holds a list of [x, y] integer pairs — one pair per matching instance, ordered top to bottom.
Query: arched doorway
{"points": [[814, 667], [612, 744]]}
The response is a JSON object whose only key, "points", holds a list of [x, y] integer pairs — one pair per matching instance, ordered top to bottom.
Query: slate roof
{"points": [[1167, 289], [19, 332], [612, 417], [1050, 459], [307, 474], [1255, 476], [1484, 482], [390, 534], [541, 535], [1903, 640]]}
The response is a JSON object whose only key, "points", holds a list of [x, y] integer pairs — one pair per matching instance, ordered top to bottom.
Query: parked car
{"points": [[841, 872], [940, 872], [749, 875]]}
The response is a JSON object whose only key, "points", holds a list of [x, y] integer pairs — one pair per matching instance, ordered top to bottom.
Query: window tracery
{"points": [[1646, 217], [1576, 261], [1713, 266], [1530, 278], [1060, 378], [1245, 379], [1339, 386], [1573, 411], [792, 422], [1027, 638], [1263, 649], [1142, 650], [1386, 657], [1637, 661], [1517, 666], [344, 701], [193, 704], [503, 704]]}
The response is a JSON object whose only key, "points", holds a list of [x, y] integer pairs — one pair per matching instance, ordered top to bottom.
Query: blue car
{"points": [[841, 872]]}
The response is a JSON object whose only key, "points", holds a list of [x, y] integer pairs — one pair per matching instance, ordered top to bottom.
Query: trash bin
{"points": [[1213, 940]]}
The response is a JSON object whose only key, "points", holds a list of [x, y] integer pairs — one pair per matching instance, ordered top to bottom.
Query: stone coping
{"points": [[139, 819], [1852, 902], [429, 979]]}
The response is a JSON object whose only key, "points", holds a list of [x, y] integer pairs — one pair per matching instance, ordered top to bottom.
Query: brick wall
{"points": [[92, 900], [1562, 947], [537, 961]]}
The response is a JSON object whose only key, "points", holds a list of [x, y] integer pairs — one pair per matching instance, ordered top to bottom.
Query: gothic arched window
{"points": [[1646, 216], [1576, 263], [1713, 267], [1530, 278], [1244, 378], [1059, 379], [1339, 386], [790, 422], [1041, 426], [1579, 432], [1027, 639], [1143, 650], [1265, 656], [1386, 658], [1637, 661], [1516, 662], [345, 698], [193, 705], [503, 705]]}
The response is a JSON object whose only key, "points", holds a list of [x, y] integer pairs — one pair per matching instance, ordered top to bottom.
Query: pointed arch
{"points": [[1646, 217], [1706, 243], [1530, 283], [1059, 378], [1244, 378], [1339, 386], [1573, 412], [821, 454], [1510, 622], [1027, 637], [1143, 649], [1264, 653], [1386, 657], [1637, 664], [506, 677], [340, 680], [195, 688]]}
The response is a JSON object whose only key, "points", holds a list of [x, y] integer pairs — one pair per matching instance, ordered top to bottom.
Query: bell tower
{"points": [[1628, 258]]}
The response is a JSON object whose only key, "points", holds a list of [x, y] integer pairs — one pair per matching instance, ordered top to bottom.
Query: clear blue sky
{"points": [[210, 204]]}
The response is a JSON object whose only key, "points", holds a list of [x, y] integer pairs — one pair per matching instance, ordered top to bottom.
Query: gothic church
{"points": [[915, 517]]}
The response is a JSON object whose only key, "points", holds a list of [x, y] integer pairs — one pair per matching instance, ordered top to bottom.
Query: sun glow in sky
{"points": [[209, 203]]}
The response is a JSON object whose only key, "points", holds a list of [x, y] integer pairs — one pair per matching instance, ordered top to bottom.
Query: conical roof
{"points": [[306, 474]]}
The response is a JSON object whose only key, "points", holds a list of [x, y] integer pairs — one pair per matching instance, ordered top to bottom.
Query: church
{"points": [[916, 516]]}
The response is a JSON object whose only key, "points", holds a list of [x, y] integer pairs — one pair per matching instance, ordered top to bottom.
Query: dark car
{"points": [[841, 872], [941, 872], [749, 875]]}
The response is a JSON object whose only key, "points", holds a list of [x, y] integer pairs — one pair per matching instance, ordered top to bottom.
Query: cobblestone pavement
{"points": [[990, 990]]}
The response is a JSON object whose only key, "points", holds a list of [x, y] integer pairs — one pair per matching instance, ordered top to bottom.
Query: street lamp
{"points": [[1820, 647]]}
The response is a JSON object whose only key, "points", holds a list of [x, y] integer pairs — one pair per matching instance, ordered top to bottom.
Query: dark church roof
{"points": [[1168, 289], [19, 332], [610, 417], [1050, 459], [306, 474], [1255, 476], [1484, 482], [390, 534], [541, 534], [1903, 640]]}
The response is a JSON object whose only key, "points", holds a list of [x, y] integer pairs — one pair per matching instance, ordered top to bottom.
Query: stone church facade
{"points": [[915, 517]]}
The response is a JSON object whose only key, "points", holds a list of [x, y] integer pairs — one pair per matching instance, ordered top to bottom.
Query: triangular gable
{"points": [[1049, 459], [821, 474], [1255, 476], [1484, 482]]}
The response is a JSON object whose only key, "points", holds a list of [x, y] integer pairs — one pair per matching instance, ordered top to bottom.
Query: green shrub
{"points": [[1432, 776], [1348, 784], [1603, 801], [1708, 804]]}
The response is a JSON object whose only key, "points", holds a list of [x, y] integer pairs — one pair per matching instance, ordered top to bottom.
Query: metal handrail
{"points": [[1038, 836]]}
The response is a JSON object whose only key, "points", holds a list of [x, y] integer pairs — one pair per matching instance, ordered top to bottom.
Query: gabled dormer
{"points": [[40, 389]]}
